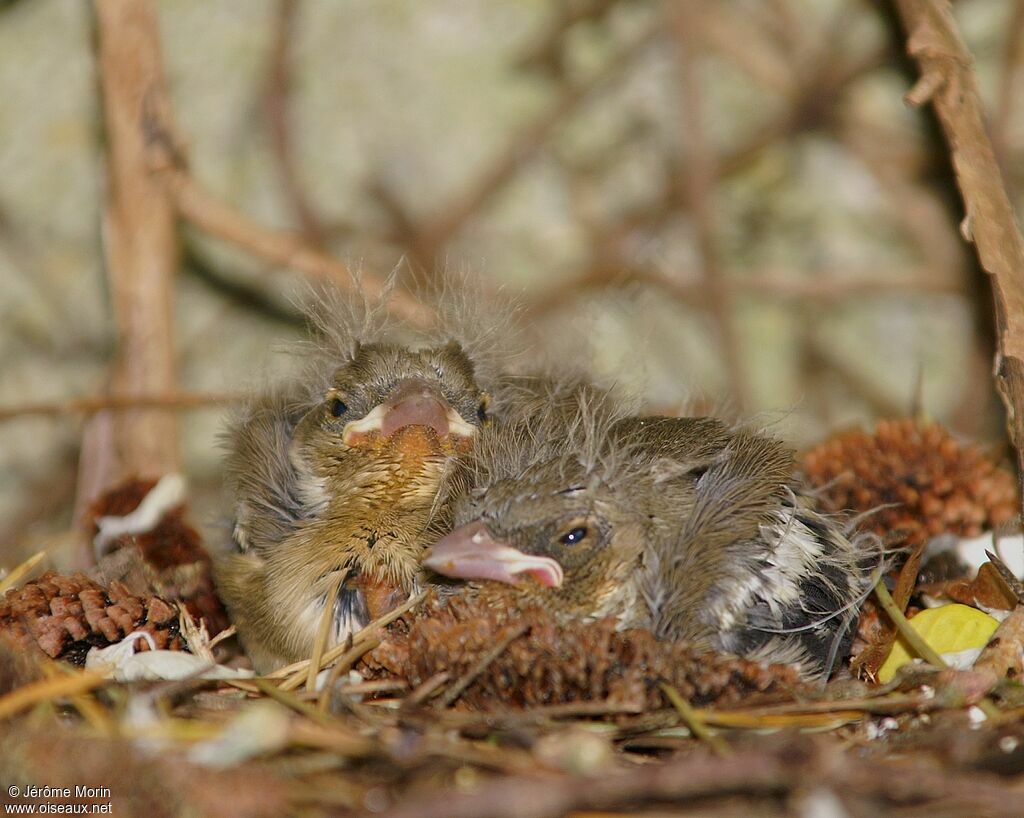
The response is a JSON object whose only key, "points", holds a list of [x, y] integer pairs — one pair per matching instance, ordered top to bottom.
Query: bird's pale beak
{"points": [[414, 402], [470, 552]]}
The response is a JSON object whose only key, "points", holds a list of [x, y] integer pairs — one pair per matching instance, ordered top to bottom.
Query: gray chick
{"points": [[684, 526]]}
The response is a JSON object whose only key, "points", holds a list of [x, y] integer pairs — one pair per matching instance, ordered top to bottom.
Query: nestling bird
{"points": [[336, 479], [684, 526]]}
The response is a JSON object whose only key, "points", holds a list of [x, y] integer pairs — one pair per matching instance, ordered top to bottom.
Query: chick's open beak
{"points": [[414, 402], [470, 552]]}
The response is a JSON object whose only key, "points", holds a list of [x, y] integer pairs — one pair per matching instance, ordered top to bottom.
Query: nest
{"points": [[917, 479], [66, 615], [527, 658]]}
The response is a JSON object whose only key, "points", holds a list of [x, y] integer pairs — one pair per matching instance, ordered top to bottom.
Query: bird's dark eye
{"points": [[338, 408], [481, 411], [573, 536]]}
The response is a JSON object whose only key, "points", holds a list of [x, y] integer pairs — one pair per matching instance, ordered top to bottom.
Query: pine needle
{"points": [[18, 573], [322, 633], [909, 635], [918, 644], [299, 669], [48, 690], [291, 702], [84, 703], [694, 721]]}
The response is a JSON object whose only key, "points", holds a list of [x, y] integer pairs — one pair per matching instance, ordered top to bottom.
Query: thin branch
{"points": [[744, 43], [545, 53], [831, 79], [813, 101], [278, 110], [166, 163], [700, 179], [924, 219], [435, 234], [281, 247], [833, 286], [238, 290], [818, 358], [120, 403]]}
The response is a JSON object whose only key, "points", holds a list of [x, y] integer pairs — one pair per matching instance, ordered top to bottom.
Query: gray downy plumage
{"points": [[695, 530]]}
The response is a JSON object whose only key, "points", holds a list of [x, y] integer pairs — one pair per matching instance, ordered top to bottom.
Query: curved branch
{"points": [[948, 81], [281, 247]]}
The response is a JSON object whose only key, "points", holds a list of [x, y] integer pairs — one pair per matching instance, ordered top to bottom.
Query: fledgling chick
{"points": [[336, 479], [684, 526]]}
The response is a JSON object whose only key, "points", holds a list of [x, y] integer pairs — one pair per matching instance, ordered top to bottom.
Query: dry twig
{"points": [[948, 81], [276, 102], [141, 246], [281, 247], [100, 403]]}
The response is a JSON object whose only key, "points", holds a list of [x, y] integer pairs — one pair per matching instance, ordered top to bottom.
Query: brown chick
{"points": [[336, 480], [684, 526]]}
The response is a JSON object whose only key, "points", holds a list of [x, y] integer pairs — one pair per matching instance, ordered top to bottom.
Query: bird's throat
{"points": [[379, 510]]}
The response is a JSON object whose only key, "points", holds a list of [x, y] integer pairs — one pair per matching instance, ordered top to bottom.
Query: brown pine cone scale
{"points": [[932, 483], [169, 560], [65, 615]]}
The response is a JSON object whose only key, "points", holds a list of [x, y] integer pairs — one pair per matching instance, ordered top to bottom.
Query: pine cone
{"points": [[935, 484], [169, 560], [66, 615], [552, 664]]}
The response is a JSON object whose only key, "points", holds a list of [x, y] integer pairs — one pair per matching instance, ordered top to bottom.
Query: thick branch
{"points": [[947, 79], [141, 246]]}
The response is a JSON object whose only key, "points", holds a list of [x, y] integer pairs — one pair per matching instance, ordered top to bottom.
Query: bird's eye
{"points": [[338, 408], [573, 536]]}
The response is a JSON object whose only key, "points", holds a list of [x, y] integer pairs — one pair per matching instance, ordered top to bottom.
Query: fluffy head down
{"points": [[483, 326], [355, 354], [553, 431], [338, 474], [545, 491]]}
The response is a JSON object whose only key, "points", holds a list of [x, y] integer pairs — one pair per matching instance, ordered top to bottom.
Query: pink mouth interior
{"points": [[419, 409], [470, 552]]}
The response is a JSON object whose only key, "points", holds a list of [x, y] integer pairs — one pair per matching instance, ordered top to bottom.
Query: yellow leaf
{"points": [[947, 629]]}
